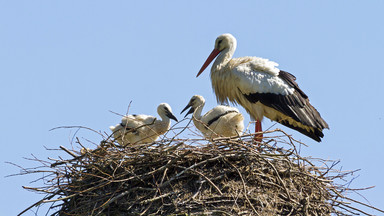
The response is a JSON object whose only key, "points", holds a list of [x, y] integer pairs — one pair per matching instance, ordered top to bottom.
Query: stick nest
{"points": [[193, 177]]}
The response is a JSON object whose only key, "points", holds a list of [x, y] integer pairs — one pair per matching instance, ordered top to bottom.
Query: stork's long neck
{"points": [[223, 58], [220, 75], [198, 111], [164, 118]]}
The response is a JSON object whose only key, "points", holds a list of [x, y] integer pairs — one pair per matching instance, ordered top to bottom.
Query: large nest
{"points": [[225, 176]]}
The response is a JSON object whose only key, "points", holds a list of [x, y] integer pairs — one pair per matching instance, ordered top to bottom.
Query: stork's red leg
{"points": [[258, 137]]}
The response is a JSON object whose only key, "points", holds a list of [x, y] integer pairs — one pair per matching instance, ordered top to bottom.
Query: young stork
{"points": [[262, 89], [220, 121], [143, 128]]}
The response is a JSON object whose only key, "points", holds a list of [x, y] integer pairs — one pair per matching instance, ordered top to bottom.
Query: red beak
{"points": [[210, 58]]}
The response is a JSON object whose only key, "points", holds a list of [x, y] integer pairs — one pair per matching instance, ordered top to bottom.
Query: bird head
{"points": [[224, 41], [193, 104], [165, 109]]}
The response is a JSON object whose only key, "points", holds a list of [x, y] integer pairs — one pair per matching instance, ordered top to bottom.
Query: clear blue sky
{"points": [[70, 62]]}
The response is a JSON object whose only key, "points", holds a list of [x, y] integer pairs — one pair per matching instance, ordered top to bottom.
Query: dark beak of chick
{"points": [[190, 110], [171, 116]]}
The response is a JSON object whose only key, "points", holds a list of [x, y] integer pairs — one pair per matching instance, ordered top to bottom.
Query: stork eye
{"points": [[219, 42]]}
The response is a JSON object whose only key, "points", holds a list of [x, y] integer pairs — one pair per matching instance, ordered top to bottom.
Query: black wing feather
{"points": [[291, 80], [295, 105], [219, 116]]}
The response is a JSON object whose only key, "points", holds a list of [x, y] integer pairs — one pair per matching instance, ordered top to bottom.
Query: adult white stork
{"points": [[262, 89], [222, 120], [143, 128]]}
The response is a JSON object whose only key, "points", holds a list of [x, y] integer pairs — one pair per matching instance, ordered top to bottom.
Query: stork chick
{"points": [[221, 121], [143, 128]]}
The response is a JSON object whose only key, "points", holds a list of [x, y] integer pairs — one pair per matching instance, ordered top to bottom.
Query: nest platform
{"points": [[224, 176]]}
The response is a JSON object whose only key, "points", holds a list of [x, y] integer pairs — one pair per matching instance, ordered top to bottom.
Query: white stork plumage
{"points": [[262, 89], [221, 121], [143, 128]]}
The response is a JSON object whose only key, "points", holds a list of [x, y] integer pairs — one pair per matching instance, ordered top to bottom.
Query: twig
{"points": [[69, 152], [209, 181], [157, 198], [37, 203], [369, 206]]}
